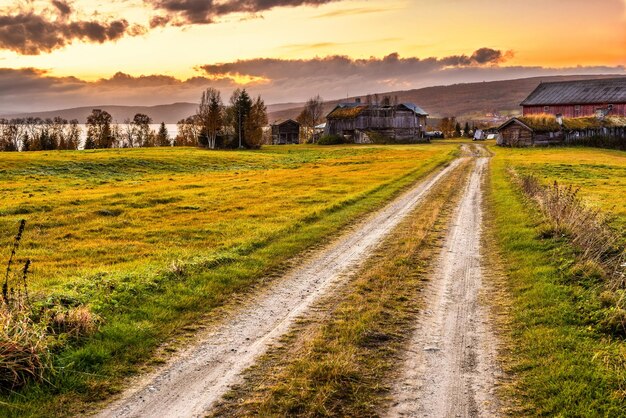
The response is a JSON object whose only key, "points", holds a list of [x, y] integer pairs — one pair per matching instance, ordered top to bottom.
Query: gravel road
{"points": [[450, 368]]}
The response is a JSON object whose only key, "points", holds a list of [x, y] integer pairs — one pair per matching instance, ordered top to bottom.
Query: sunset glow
{"points": [[155, 38]]}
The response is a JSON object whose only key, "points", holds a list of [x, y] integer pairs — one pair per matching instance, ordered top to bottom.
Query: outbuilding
{"points": [[286, 132]]}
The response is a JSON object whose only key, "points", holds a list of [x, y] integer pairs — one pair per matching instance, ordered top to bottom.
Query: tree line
{"points": [[240, 123]]}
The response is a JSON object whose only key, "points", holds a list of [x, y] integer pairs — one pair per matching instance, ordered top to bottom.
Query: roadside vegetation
{"points": [[150, 241], [564, 341], [341, 361]]}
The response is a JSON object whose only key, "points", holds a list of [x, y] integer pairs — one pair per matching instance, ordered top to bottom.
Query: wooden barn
{"points": [[573, 99], [366, 123], [537, 130], [529, 131], [286, 132]]}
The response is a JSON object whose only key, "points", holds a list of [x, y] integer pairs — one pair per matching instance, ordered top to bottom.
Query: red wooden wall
{"points": [[569, 111]]}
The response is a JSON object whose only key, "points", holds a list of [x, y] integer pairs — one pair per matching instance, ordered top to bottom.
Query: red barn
{"points": [[579, 98]]}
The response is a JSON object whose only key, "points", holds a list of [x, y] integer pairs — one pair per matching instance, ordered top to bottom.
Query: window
{"points": [[610, 107], [546, 109], [577, 110]]}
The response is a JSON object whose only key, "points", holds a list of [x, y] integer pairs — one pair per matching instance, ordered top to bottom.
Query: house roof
{"points": [[601, 91], [352, 110], [418, 110], [347, 111], [285, 121], [548, 123]]}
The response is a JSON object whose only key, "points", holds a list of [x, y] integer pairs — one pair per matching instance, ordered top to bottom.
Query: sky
{"points": [[67, 53]]}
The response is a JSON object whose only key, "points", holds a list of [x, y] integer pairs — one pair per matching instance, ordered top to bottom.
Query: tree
{"points": [[240, 107], [313, 113], [210, 115], [254, 124], [448, 125], [457, 129], [99, 130], [466, 130], [188, 132], [143, 133], [11, 134], [163, 137], [72, 140]]}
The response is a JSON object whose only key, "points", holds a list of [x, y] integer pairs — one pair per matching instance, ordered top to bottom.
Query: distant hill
{"points": [[466, 101], [169, 113]]}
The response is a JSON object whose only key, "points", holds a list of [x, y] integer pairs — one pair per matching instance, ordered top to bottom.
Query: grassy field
{"points": [[600, 174], [151, 240], [562, 359]]}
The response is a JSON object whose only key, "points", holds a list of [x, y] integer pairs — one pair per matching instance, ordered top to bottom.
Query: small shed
{"points": [[529, 131], [286, 132]]}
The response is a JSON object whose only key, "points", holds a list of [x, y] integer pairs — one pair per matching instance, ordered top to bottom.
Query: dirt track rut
{"points": [[450, 369], [192, 382]]}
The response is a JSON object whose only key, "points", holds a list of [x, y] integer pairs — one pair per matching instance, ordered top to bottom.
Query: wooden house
{"points": [[572, 99], [366, 123], [286, 132]]}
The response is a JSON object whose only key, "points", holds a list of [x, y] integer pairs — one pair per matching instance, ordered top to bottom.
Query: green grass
{"points": [[600, 174], [105, 226], [562, 361]]}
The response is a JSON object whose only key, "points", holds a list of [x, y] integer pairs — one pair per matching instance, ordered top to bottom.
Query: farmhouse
{"points": [[572, 99], [366, 123], [546, 129], [286, 132]]}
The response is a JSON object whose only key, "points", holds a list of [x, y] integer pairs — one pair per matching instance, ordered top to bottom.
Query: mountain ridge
{"points": [[464, 100]]}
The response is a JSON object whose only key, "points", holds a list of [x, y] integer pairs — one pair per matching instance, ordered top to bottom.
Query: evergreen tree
{"points": [[241, 105], [163, 137]]}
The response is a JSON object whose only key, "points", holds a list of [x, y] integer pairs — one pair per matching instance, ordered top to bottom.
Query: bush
{"points": [[332, 140], [24, 351]]}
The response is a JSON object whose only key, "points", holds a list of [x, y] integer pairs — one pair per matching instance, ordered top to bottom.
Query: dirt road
{"points": [[450, 369], [190, 384]]}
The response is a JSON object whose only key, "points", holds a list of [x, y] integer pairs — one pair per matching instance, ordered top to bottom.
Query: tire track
{"points": [[450, 370]]}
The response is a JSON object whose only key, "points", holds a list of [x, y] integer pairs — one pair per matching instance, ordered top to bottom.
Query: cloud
{"points": [[189, 12], [31, 32], [389, 66], [277, 80]]}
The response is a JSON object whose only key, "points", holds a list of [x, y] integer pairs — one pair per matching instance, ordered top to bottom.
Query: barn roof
{"points": [[608, 90], [418, 110], [347, 111], [282, 122], [548, 123]]}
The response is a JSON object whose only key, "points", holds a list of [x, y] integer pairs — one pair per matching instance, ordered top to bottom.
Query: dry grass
{"points": [[585, 227], [24, 347]]}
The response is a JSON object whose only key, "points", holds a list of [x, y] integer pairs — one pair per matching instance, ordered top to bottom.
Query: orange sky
{"points": [[544, 33], [530, 35]]}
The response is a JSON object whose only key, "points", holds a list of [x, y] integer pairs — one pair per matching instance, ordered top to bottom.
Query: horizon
{"points": [[62, 54]]}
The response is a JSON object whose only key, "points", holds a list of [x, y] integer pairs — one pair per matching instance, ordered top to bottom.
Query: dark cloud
{"points": [[63, 7], [188, 12], [29, 32], [387, 67], [24, 90]]}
